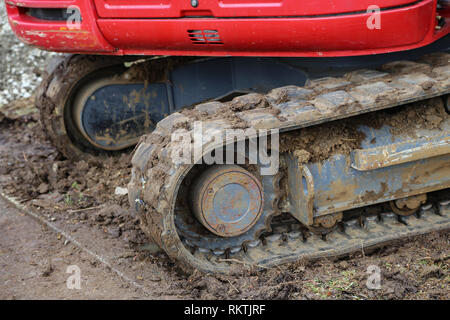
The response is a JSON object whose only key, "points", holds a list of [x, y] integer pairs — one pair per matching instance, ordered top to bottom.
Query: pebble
{"points": [[21, 65], [121, 191], [114, 232]]}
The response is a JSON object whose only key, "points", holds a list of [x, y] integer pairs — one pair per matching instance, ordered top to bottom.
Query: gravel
{"points": [[21, 66]]}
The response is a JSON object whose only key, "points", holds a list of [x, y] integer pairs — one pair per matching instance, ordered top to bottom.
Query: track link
{"points": [[67, 74], [156, 179], [358, 234]]}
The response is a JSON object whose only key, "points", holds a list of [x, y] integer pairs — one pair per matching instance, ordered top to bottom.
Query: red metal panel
{"points": [[45, 3], [235, 8], [56, 35], [334, 35], [342, 35]]}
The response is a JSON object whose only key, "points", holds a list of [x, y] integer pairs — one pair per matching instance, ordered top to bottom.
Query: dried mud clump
{"points": [[153, 69], [248, 102], [426, 115], [320, 142], [83, 191]]}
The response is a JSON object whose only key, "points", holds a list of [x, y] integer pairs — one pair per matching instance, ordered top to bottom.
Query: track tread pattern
{"points": [[62, 75], [156, 179]]}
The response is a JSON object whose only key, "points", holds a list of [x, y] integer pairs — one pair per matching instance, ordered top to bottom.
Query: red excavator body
{"points": [[289, 28]]}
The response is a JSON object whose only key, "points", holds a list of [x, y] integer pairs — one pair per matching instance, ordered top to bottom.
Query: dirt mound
{"points": [[320, 142], [34, 172]]}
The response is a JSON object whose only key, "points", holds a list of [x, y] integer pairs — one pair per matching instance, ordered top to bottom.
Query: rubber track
{"points": [[62, 75], [156, 179]]}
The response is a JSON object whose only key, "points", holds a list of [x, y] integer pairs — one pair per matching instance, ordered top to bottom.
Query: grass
{"points": [[334, 287]]}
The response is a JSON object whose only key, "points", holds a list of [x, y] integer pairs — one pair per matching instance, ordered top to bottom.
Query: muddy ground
{"points": [[79, 198], [34, 263]]}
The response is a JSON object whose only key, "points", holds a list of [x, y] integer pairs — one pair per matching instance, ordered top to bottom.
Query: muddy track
{"points": [[65, 74], [156, 179], [414, 268]]}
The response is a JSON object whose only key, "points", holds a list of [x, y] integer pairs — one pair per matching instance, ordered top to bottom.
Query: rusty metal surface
{"points": [[399, 85], [398, 153], [417, 166], [301, 191], [227, 200], [413, 202], [375, 230], [191, 234]]}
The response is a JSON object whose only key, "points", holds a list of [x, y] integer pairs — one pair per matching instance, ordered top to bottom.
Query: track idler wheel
{"points": [[56, 93], [98, 105], [227, 200]]}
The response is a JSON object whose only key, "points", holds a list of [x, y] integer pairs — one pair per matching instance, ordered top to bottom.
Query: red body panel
{"points": [[234, 8], [234, 27], [55, 35]]}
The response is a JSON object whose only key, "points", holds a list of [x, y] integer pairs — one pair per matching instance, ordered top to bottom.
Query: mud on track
{"points": [[79, 198]]}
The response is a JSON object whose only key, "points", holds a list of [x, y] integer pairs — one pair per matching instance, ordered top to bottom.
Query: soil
{"points": [[320, 142], [316, 144], [79, 197], [34, 262]]}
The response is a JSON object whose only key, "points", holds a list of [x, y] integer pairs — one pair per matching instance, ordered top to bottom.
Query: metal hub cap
{"points": [[227, 200]]}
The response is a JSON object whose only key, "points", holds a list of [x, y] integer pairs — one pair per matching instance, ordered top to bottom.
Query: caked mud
{"points": [[315, 123], [341, 137], [412, 268]]}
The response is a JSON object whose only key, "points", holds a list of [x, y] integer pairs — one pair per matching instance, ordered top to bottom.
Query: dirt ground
{"points": [[117, 261], [34, 262]]}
